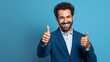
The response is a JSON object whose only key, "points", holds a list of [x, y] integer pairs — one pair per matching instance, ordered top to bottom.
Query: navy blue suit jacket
{"points": [[57, 49]]}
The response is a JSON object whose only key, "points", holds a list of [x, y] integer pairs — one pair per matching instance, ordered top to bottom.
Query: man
{"points": [[65, 44]]}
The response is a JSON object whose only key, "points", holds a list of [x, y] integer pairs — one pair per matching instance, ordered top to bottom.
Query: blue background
{"points": [[22, 23]]}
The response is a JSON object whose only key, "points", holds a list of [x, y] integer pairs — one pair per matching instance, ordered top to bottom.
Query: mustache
{"points": [[66, 23]]}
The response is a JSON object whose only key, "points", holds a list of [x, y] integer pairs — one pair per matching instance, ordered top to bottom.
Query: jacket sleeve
{"points": [[43, 50], [88, 56]]}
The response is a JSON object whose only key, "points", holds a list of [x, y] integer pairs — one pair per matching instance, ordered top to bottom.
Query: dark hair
{"points": [[63, 6]]}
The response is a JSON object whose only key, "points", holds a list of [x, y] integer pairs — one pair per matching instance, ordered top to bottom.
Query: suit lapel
{"points": [[73, 39], [62, 41]]}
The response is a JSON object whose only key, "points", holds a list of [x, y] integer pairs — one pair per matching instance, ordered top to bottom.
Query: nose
{"points": [[65, 20]]}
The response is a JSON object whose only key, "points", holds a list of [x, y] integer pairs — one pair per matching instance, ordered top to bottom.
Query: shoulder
{"points": [[54, 33], [77, 33]]}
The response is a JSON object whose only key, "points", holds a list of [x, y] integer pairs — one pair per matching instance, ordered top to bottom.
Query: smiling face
{"points": [[65, 20]]}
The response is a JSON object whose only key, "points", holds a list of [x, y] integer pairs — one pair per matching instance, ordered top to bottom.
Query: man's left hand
{"points": [[85, 41]]}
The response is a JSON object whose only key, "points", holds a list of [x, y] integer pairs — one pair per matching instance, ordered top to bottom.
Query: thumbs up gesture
{"points": [[46, 36], [85, 41]]}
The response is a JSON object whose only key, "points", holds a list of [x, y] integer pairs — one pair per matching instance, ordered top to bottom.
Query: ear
{"points": [[73, 16], [57, 19]]}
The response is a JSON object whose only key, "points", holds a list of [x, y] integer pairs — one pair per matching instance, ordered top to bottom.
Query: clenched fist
{"points": [[46, 36], [85, 41]]}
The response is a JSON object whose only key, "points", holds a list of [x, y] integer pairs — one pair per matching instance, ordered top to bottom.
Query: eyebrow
{"points": [[66, 16]]}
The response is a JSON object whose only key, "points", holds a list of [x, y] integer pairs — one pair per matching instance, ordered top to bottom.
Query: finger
{"points": [[48, 29], [47, 34], [86, 34], [47, 37], [82, 38], [46, 40], [83, 41], [82, 45]]}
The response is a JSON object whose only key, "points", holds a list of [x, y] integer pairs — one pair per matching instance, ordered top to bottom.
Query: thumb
{"points": [[48, 29], [86, 34]]}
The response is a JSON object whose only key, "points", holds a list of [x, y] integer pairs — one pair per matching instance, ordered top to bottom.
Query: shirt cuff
{"points": [[43, 45], [87, 49]]}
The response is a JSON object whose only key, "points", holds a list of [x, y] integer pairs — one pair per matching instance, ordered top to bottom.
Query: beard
{"points": [[66, 26]]}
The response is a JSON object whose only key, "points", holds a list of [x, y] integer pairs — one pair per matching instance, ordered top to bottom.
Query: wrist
{"points": [[44, 43]]}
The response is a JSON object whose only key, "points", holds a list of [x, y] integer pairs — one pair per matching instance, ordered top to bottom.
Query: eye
{"points": [[61, 17], [68, 17]]}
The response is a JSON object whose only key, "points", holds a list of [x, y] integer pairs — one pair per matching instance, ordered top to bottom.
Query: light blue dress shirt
{"points": [[68, 40]]}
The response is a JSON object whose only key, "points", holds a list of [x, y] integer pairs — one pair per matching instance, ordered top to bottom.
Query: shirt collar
{"points": [[66, 34]]}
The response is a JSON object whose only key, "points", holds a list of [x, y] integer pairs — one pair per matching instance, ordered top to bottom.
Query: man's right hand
{"points": [[46, 36]]}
